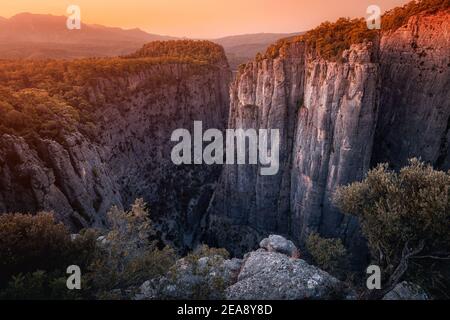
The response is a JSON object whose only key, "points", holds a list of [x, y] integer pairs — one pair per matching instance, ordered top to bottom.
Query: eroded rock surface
{"points": [[382, 101], [80, 178], [407, 291]]}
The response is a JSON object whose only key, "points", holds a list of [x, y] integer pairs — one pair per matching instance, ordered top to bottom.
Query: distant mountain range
{"points": [[27, 35], [39, 36]]}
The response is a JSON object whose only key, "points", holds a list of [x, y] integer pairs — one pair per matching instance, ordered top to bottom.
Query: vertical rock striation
{"points": [[326, 113], [334, 137], [80, 178]]}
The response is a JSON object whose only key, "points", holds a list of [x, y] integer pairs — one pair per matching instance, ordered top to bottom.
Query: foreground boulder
{"points": [[274, 272], [274, 276], [407, 291]]}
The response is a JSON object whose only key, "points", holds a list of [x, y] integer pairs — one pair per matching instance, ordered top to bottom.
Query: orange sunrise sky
{"points": [[203, 18]]}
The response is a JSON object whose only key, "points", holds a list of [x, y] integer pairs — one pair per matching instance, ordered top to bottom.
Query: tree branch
{"points": [[432, 257]]}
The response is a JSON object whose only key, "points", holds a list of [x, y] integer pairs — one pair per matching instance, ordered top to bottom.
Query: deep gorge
{"points": [[386, 100]]}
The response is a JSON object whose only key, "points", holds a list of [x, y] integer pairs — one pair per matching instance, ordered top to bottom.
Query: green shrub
{"points": [[200, 51], [405, 217], [29, 243], [35, 252], [329, 254], [127, 257], [38, 285]]}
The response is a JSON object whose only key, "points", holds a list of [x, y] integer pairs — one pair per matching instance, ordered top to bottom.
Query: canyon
{"points": [[382, 101], [385, 101]]}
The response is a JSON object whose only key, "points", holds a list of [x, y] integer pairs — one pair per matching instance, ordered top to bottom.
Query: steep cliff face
{"points": [[415, 99], [327, 113], [138, 146], [128, 155], [71, 179]]}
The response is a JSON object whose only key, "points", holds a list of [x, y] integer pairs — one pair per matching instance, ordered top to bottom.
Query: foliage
{"points": [[329, 40], [199, 51], [50, 98], [405, 216], [329, 254], [127, 257]]}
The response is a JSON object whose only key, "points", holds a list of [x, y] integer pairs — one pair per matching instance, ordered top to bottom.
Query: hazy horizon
{"points": [[201, 18]]}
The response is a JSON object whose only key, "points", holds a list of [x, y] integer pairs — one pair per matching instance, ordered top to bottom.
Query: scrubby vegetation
{"points": [[397, 17], [329, 40], [197, 51], [49, 98], [33, 113], [405, 217], [29, 243], [36, 250], [329, 254], [199, 276]]}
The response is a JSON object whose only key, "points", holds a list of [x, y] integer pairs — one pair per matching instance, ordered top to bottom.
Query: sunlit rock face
{"points": [[381, 101]]}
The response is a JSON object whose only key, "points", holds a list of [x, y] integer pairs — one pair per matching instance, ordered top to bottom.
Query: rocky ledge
{"points": [[274, 271]]}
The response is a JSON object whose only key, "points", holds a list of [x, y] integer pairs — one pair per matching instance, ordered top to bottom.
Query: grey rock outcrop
{"points": [[266, 95], [382, 101], [414, 118], [334, 138], [70, 180], [261, 275], [205, 278], [407, 291]]}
